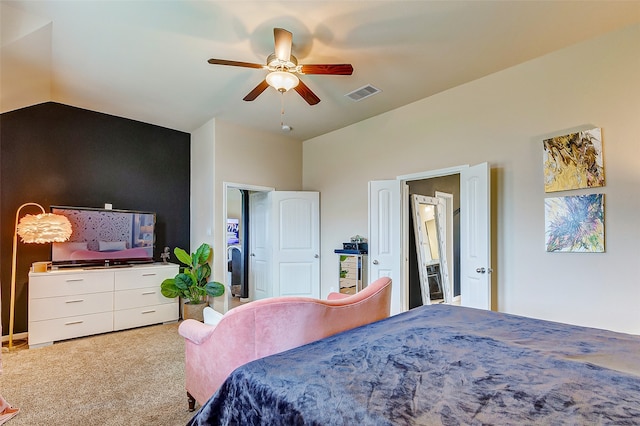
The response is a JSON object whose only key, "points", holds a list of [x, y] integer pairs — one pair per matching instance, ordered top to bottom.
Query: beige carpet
{"points": [[132, 377]]}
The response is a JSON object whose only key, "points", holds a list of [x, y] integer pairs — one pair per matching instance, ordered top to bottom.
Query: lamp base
{"points": [[17, 344]]}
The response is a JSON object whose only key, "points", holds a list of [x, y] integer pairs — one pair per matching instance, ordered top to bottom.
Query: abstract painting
{"points": [[573, 161], [575, 223]]}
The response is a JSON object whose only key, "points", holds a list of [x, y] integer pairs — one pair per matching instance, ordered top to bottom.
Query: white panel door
{"points": [[295, 225], [475, 241], [260, 249], [385, 253]]}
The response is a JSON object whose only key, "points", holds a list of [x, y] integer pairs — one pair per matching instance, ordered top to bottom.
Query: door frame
{"points": [[461, 170], [405, 216], [482, 259]]}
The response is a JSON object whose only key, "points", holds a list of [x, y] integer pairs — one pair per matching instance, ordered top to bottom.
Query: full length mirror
{"points": [[428, 214]]}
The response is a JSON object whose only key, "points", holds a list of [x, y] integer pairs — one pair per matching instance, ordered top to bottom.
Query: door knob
{"points": [[252, 255], [316, 256], [375, 262], [481, 270]]}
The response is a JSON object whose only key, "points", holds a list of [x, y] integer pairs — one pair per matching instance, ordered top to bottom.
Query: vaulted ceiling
{"points": [[147, 60]]}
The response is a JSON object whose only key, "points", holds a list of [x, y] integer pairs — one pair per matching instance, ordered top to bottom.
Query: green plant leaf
{"points": [[183, 256], [201, 256], [204, 272], [193, 279], [183, 282], [168, 288], [215, 289]]}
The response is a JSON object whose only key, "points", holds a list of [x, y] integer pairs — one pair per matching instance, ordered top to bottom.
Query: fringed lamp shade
{"points": [[44, 228]]}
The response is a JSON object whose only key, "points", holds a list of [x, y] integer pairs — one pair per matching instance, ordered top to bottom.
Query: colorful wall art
{"points": [[573, 161], [575, 223]]}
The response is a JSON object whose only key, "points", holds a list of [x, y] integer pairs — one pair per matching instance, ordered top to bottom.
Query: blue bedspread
{"points": [[440, 364]]}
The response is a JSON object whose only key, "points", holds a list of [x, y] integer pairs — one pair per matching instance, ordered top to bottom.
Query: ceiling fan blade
{"points": [[283, 40], [214, 61], [333, 69], [256, 91], [306, 93]]}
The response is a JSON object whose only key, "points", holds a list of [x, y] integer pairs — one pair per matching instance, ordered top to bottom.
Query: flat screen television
{"points": [[102, 237]]}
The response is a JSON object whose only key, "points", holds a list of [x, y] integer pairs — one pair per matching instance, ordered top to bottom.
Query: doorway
{"points": [[448, 189], [389, 230], [237, 243], [265, 259]]}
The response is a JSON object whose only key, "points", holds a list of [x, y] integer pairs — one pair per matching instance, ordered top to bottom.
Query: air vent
{"points": [[363, 92]]}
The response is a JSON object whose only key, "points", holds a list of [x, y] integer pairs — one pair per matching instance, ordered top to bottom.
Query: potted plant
{"points": [[192, 283]]}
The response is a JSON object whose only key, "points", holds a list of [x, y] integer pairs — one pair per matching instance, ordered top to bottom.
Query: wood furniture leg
{"points": [[192, 402]]}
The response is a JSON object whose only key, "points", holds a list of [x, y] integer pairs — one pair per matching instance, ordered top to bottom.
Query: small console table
{"points": [[69, 303]]}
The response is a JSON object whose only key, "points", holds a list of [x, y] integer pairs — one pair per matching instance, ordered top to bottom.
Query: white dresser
{"points": [[353, 272], [69, 303]]}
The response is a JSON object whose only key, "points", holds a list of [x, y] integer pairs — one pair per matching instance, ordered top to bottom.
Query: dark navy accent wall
{"points": [[54, 154]]}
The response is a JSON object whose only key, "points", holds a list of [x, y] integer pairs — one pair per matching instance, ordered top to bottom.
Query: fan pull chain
{"points": [[281, 109], [284, 127]]}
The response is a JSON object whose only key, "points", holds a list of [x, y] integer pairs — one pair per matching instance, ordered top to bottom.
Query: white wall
{"points": [[25, 55], [503, 119], [225, 152], [202, 188], [234, 203]]}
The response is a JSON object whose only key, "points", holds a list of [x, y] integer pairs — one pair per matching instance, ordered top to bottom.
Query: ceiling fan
{"points": [[283, 67]]}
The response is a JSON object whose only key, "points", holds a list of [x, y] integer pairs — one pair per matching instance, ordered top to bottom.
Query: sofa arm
{"points": [[337, 296], [195, 331]]}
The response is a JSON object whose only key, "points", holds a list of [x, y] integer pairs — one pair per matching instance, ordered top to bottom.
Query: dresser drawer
{"points": [[350, 261], [351, 271], [142, 277], [348, 282], [54, 285], [348, 290], [140, 297], [70, 306], [138, 317], [42, 332]]}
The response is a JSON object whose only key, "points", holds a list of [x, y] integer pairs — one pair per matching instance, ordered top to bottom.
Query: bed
{"points": [[440, 364]]}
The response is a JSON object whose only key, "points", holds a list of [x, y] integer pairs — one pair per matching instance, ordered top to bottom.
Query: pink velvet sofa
{"points": [[268, 326]]}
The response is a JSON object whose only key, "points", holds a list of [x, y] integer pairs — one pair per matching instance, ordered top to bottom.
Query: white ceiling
{"points": [[147, 60]]}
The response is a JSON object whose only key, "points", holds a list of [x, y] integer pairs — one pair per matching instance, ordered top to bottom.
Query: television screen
{"points": [[233, 231], [105, 237]]}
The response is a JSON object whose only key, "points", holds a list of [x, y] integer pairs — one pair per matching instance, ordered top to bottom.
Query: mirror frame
{"points": [[440, 210]]}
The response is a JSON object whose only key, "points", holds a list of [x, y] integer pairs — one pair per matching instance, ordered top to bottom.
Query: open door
{"points": [[295, 222], [475, 239], [285, 244], [259, 247], [385, 250]]}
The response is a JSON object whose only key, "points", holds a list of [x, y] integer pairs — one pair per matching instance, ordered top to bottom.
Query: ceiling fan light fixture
{"points": [[282, 81]]}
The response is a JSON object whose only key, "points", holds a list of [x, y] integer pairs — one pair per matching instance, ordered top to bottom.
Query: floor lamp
{"points": [[41, 228]]}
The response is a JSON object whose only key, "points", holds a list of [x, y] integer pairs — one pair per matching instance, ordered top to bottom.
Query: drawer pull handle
{"points": [[150, 274], [75, 279], [148, 292], [75, 301], [148, 312], [73, 322]]}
